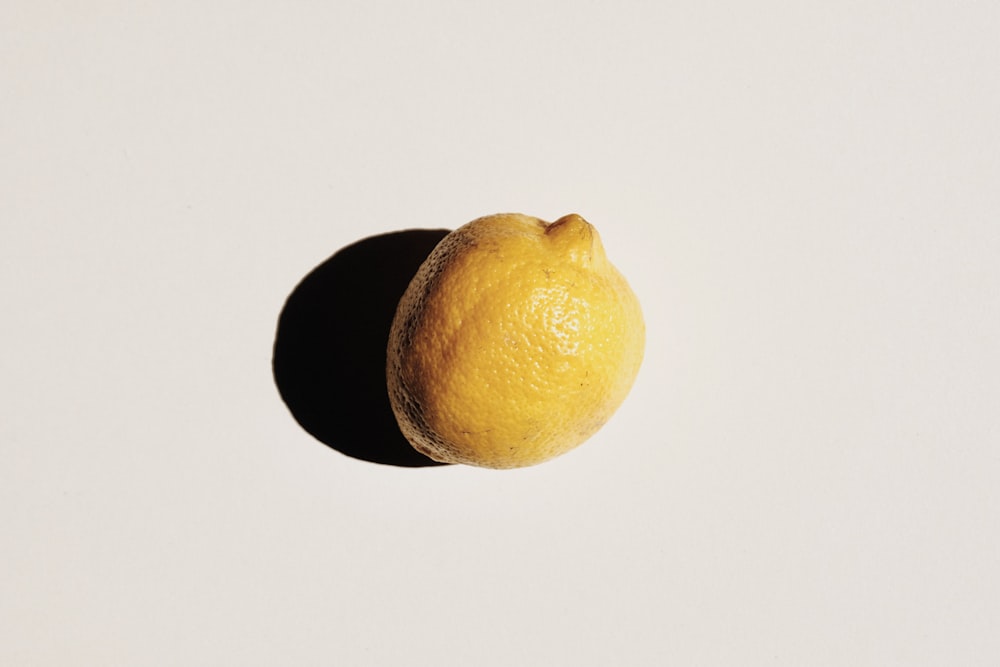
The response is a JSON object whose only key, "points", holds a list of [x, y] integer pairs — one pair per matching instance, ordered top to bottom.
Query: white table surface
{"points": [[805, 197]]}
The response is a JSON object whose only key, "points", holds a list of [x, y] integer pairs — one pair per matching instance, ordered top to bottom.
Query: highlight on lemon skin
{"points": [[515, 342]]}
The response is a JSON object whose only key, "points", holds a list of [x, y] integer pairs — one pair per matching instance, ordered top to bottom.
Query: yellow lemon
{"points": [[515, 341]]}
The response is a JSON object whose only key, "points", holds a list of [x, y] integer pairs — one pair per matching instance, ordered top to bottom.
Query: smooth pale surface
{"points": [[803, 196]]}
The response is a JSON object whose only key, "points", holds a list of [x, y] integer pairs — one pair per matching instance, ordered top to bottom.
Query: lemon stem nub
{"points": [[568, 223], [575, 235]]}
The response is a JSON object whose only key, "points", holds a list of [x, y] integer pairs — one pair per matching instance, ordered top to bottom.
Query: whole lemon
{"points": [[515, 341]]}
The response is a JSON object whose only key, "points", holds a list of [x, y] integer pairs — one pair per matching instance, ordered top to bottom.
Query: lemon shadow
{"points": [[329, 350]]}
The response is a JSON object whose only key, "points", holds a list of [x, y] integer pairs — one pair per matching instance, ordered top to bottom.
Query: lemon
{"points": [[515, 341]]}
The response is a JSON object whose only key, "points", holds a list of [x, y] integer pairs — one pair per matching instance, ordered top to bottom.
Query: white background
{"points": [[805, 196]]}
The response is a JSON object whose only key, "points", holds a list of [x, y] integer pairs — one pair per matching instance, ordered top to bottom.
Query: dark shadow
{"points": [[329, 351]]}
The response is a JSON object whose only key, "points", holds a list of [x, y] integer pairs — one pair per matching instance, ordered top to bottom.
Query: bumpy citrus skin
{"points": [[515, 341]]}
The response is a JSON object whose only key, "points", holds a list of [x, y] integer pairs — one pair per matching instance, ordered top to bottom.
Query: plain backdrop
{"points": [[804, 195]]}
